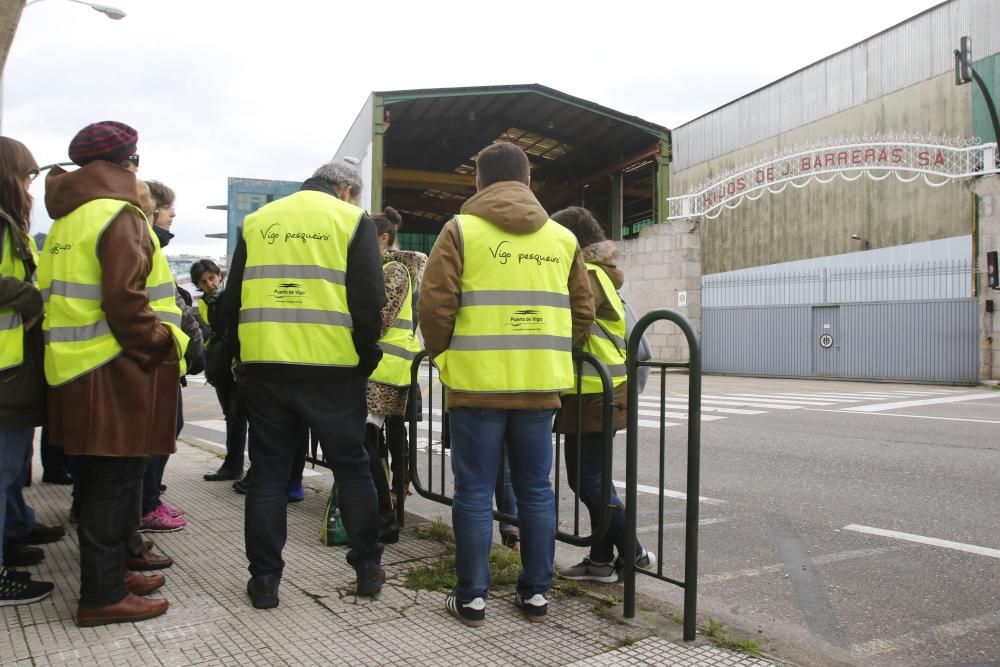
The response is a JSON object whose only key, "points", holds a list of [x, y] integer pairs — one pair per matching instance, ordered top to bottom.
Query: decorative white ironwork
{"points": [[937, 160]]}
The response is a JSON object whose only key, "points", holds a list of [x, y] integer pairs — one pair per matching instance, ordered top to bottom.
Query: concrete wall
{"points": [[988, 190], [819, 220], [664, 261]]}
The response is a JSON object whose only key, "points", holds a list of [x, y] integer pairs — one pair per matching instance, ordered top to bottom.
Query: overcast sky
{"points": [[221, 88]]}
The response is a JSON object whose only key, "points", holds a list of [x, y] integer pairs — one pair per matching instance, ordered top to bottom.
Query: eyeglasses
{"points": [[33, 174]]}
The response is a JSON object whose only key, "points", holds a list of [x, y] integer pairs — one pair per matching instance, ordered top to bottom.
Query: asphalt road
{"points": [[846, 522]]}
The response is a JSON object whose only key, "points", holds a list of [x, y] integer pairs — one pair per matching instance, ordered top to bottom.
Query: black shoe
{"points": [[223, 474], [57, 478], [240, 485], [73, 513], [388, 528], [42, 534], [16, 554], [19, 575], [370, 579], [14, 591], [263, 591], [534, 608], [471, 613]]}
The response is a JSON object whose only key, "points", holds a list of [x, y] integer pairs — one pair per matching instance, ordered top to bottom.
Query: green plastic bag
{"points": [[331, 532]]}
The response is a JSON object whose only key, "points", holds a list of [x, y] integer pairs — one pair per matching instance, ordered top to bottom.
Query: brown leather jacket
{"points": [[511, 206], [128, 406]]}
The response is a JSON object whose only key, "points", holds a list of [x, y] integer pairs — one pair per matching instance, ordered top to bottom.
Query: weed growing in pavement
{"points": [[436, 531], [565, 588], [677, 618], [716, 634], [622, 643]]}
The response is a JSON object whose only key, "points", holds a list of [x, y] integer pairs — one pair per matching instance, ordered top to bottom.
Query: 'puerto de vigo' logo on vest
{"points": [[289, 293], [526, 320]]}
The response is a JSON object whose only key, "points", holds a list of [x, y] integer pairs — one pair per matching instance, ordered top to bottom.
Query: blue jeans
{"points": [[335, 412], [476, 436], [590, 449], [15, 451], [506, 500], [19, 519]]}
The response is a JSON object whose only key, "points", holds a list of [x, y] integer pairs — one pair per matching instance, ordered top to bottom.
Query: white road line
{"points": [[813, 397], [782, 399], [725, 400], [927, 401], [707, 408], [896, 414], [677, 415], [649, 423], [212, 425], [307, 472], [667, 493], [679, 524], [933, 541], [824, 559], [943, 634]]}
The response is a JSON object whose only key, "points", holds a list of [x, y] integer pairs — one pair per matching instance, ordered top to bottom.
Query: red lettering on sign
{"points": [[869, 154], [882, 155], [897, 155], [856, 156], [842, 158], [923, 158], [939, 158], [829, 159], [806, 164], [787, 170], [770, 174], [758, 176], [741, 184]]}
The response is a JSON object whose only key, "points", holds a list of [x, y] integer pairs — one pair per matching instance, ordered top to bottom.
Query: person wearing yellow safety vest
{"points": [[304, 295], [504, 299], [606, 341], [113, 358], [22, 382], [389, 385]]}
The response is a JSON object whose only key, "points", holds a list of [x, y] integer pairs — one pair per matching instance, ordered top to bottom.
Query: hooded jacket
{"points": [[511, 206], [605, 255], [22, 388], [128, 406]]}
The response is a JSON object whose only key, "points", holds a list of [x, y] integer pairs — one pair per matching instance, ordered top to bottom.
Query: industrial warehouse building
{"points": [[831, 224]]}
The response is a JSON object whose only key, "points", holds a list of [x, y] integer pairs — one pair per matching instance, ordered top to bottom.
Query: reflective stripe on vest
{"points": [[294, 295], [11, 327], [513, 330], [77, 336], [606, 340], [399, 344]]}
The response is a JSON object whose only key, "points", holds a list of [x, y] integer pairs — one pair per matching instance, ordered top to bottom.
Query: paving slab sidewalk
{"points": [[319, 621]]}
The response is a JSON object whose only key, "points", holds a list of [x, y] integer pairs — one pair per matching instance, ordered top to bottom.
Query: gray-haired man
{"points": [[306, 293]]}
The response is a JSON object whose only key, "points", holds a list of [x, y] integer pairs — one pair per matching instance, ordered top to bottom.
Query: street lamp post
{"points": [[112, 13], [965, 73]]}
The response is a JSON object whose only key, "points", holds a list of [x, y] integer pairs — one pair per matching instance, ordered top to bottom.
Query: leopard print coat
{"points": [[384, 399]]}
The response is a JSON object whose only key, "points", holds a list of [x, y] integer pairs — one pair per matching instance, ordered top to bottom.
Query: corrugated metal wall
{"points": [[913, 52], [918, 341]]}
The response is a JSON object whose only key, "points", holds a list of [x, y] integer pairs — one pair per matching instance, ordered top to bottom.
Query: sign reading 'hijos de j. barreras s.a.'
{"points": [[937, 160]]}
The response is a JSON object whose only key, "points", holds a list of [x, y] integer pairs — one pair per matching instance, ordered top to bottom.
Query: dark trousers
{"points": [[231, 399], [335, 412], [373, 447], [588, 454], [53, 458], [152, 477], [109, 494]]}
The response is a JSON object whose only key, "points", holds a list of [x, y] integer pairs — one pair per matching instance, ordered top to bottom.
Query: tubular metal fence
{"points": [[948, 279]]}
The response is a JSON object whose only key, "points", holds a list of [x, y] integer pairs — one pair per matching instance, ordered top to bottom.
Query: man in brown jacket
{"points": [[505, 297], [116, 415]]}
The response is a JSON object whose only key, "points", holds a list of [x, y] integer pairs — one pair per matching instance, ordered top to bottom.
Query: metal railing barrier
{"points": [[693, 367], [438, 473]]}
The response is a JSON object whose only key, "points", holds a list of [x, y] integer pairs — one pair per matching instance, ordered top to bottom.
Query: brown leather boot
{"points": [[149, 561], [138, 584], [129, 609]]}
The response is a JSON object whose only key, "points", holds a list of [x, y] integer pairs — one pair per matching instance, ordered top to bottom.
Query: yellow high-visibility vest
{"points": [[294, 294], [203, 310], [11, 326], [513, 331], [77, 336], [606, 340], [399, 344]]}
